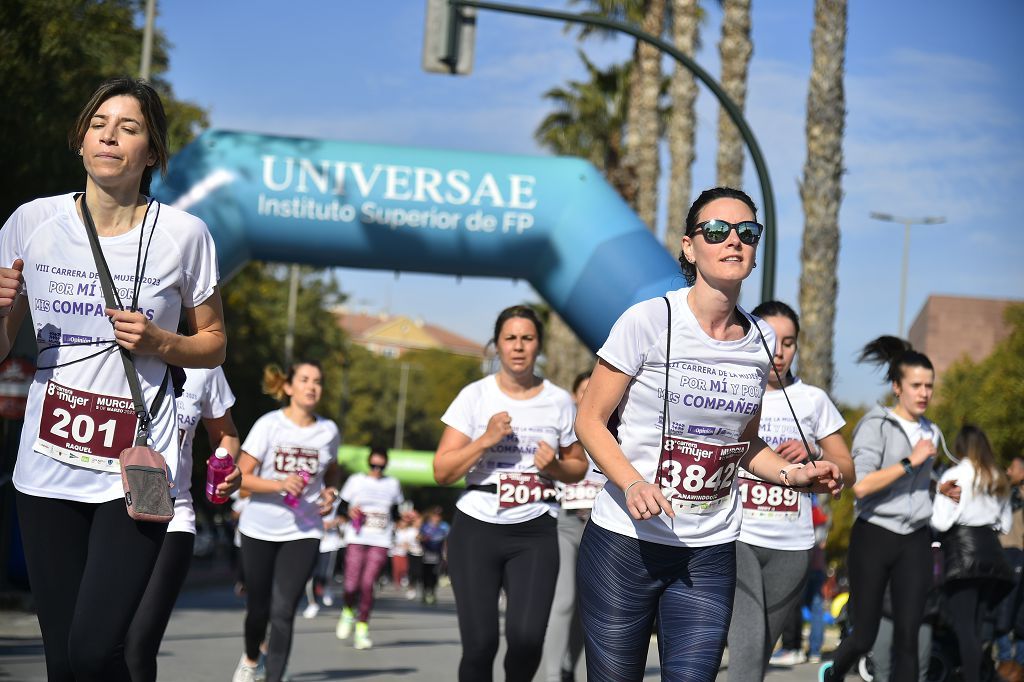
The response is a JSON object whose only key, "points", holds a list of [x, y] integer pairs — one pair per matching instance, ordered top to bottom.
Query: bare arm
{"points": [[11, 324], [205, 347], [457, 453], [572, 467], [251, 483]]}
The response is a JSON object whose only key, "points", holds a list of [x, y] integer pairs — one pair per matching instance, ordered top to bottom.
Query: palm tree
{"points": [[735, 49], [589, 121], [681, 126], [643, 130], [821, 192]]}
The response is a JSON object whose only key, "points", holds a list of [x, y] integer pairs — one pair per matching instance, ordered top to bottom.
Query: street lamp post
{"points": [[906, 222]]}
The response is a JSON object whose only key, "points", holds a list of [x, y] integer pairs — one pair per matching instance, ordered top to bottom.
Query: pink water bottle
{"points": [[218, 468], [293, 500], [357, 521]]}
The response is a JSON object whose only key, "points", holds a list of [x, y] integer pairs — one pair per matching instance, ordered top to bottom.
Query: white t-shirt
{"points": [[66, 303], [715, 388], [206, 395], [548, 416], [915, 429], [283, 447], [375, 497], [975, 508], [766, 522], [406, 539]]}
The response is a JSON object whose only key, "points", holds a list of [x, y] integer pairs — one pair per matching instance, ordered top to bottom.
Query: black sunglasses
{"points": [[716, 230], [378, 467]]}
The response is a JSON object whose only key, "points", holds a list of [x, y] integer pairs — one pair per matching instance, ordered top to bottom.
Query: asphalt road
{"points": [[204, 641]]}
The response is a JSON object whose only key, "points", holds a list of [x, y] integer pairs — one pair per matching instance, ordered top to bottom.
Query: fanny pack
{"points": [[144, 473]]}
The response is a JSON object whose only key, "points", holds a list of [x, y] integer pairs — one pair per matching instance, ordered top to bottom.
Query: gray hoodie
{"points": [[906, 505]]}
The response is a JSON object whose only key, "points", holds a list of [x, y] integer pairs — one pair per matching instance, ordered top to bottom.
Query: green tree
{"points": [[53, 54], [435, 378], [989, 393], [842, 508]]}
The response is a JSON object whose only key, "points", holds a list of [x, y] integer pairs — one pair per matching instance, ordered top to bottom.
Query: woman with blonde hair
{"points": [[289, 465], [977, 573]]}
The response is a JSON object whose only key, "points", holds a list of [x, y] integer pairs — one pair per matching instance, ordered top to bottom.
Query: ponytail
{"points": [[895, 354]]}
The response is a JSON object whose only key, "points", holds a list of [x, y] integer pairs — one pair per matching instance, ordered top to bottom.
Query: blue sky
{"points": [[934, 127]]}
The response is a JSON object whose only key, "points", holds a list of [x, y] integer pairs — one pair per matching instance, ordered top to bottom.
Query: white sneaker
{"points": [[410, 594], [328, 598], [310, 611], [345, 623], [789, 657], [248, 673]]}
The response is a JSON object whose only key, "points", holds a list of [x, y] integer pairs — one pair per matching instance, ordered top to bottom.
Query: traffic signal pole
{"points": [[767, 197]]}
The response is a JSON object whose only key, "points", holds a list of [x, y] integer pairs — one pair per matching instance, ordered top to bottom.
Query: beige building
{"points": [[949, 328], [393, 335]]}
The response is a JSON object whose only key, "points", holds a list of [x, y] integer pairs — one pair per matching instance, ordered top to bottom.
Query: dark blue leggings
{"points": [[624, 583]]}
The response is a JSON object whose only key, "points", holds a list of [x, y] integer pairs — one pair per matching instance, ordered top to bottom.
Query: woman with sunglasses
{"points": [[684, 375], [510, 434], [289, 466], [370, 501], [890, 542], [773, 553]]}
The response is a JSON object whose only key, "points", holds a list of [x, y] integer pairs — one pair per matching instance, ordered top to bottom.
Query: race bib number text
{"points": [[85, 429], [292, 460], [697, 477], [516, 489], [580, 495], [764, 500]]}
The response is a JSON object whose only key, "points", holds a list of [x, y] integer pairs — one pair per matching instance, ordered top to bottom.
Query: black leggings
{"points": [[876, 557], [482, 559], [88, 565], [275, 576], [969, 603], [147, 631]]}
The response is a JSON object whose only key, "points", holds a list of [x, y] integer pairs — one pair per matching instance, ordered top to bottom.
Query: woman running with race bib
{"points": [[684, 375], [205, 397], [510, 434], [289, 465], [370, 501], [774, 548], [88, 561]]}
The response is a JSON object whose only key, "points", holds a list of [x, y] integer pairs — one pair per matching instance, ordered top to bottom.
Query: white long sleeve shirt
{"points": [[975, 507]]}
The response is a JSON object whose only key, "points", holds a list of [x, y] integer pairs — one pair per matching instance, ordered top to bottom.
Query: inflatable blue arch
{"points": [[552, 221]]}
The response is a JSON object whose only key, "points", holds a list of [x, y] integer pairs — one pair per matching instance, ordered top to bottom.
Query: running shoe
{"points": [[410, 594], [328, 598], [430, 599], [311, 611], [344, 628], [362, 638], [788, 657], [823, 672], [248, 673]]}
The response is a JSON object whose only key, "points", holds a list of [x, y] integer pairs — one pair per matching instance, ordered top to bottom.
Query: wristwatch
{"points": [[907, 465]]}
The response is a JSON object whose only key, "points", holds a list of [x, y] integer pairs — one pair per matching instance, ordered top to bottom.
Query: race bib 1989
{"points": [[85, 429], [697, 477], [516, 489], [764, 500]]}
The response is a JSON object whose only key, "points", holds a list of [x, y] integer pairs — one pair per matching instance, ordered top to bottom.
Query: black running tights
{"points": [[88, 566]]}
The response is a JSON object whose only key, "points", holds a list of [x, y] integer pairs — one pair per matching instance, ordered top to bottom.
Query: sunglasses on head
{"points": [[716, 231]]}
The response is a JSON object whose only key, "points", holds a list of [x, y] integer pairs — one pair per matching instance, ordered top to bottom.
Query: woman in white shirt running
{"points": [[685, 375], [79, 415], [510, 434], [289, 465], [773, 552], [977, 574]]}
